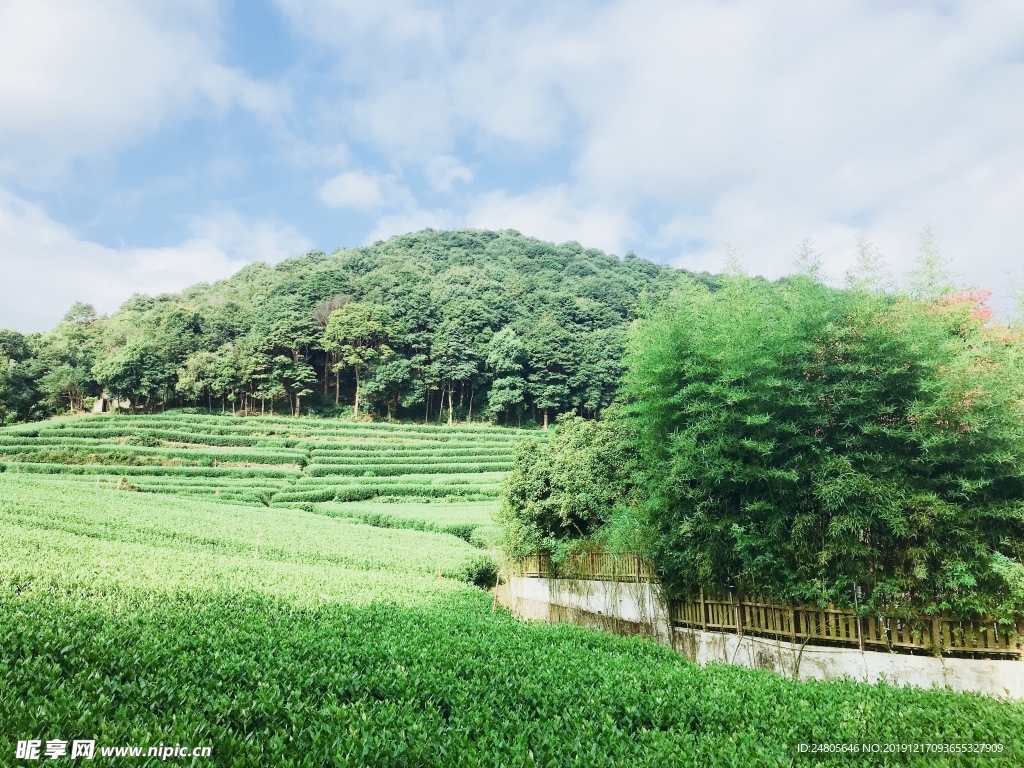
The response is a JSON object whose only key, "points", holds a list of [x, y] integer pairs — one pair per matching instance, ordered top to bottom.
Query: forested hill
{"points": [[433, 325]]}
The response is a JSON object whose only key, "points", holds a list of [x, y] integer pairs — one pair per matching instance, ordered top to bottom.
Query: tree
{"points": [[808, 260], [870, 272], [930, 279], [444, 295], [323, 311], [321, 315], [356, 334], [550, 352], [66, 355], [506, 358], [453, 359], [139, 370], [598, 370], [198, 378], [295, 378], [391, 382], [17, 383], [68, 383], [6, 395], [798, 440], [565, 489]]}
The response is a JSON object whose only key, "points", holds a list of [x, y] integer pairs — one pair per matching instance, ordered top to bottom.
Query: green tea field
{"points": [[277, 461], [294, 592]]}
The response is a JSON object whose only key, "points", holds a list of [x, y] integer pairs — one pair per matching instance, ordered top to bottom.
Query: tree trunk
{"points": [[337, 385], [450, 386], [298, 404], [355, 410], [426, 416], [469, 418], [545, 418]]}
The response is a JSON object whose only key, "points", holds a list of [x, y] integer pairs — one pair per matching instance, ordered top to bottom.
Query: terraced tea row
{"points": [[267, 460], [284, 638]]}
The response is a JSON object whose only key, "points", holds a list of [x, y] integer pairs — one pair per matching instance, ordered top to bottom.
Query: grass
{"points": [[288, 638]]}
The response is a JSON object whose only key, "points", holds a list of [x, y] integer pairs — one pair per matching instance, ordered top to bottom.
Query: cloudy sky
{"points": [[149, 144]]}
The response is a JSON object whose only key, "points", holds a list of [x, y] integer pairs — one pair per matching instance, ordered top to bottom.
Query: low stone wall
{"points": [[637, 609]]}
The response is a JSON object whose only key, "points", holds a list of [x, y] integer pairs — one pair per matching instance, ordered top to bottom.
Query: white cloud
{"points": [[78, 78], [754, 122], [444, 170], [364, 191], [554, 213], [409, 221], [248, 240], [46, 267]]}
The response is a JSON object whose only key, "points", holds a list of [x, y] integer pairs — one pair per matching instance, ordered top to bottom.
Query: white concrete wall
{"points": [[637, 609]]}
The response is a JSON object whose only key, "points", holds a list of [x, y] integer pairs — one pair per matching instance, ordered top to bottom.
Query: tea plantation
{"points": [[267, 460], [228, 582]]}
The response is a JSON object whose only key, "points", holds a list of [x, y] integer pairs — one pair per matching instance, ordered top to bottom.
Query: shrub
{"points": [[800, 440], [568, 487]]}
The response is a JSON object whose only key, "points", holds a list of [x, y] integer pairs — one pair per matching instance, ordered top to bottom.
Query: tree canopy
{"points": [[465, 324], [802, 442]]}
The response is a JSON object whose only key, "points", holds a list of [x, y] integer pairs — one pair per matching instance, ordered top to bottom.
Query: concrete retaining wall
{"points": [[630, 608]]}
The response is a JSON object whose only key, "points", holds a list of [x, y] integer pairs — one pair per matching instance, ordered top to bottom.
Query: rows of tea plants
{"points": [[268, 460], [467, 520], [280, 637]]}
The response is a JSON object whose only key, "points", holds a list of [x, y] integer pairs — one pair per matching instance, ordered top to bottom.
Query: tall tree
{"points": [[870, 272], [930, 278], [356, 334], [506, 358], [552, 358]]}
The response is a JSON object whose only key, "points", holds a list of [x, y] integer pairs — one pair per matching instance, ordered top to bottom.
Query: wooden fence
{"points": [[592, 566], [797, 623], [835, 626]]}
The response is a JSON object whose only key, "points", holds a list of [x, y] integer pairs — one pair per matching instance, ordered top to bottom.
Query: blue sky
{"points": [[148, 145]]}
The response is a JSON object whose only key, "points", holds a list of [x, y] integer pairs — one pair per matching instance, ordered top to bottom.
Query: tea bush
{"points": [[279, 637]]}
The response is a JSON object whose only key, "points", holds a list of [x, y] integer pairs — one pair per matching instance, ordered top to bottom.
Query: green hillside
{"points": [[431, 326], [434, 471], [279, 637]]}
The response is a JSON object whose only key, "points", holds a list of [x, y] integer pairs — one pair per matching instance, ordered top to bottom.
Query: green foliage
{"points": [[930, 278], [413, 323], [506, 358], [22, 389], [799, 440], [267, 460], [563, 490], [457, 519], [283, 638]]}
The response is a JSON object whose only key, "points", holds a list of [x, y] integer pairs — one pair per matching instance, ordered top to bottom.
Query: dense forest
{"points": [[464, 325], [858, 446]]}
